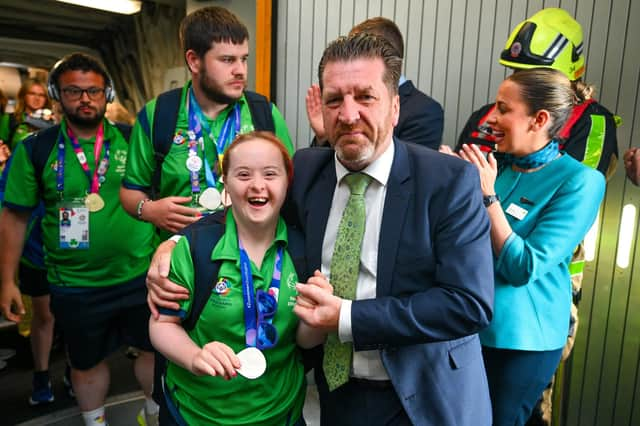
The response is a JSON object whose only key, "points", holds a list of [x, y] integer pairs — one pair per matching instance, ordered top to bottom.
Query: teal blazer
{"points": [[550, 211]]}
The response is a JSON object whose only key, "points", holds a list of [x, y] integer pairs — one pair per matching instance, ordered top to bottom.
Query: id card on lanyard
{"points": [[74, 214], [73, 219]]}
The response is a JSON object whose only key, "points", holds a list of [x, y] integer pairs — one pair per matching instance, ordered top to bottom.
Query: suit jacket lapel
{"points": [[320, 198], [396, 204]]}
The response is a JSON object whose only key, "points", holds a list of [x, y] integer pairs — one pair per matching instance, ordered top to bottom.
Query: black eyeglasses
{"points": [[74, 93]]}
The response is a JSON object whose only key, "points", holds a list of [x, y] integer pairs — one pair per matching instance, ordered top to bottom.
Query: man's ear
{"points": [[193, 61], [395, 110]]}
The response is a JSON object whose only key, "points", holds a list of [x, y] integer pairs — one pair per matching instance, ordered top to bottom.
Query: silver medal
{"points": [[209, 199], [253, 364]]}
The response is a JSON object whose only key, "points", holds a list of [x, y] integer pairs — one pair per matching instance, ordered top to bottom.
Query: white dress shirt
{"points": [[366, 364]]}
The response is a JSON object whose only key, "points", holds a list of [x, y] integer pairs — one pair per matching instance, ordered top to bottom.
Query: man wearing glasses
{"points": [[96, 254]]}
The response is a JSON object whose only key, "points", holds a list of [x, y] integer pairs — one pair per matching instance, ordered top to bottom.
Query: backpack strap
{"points": [[260, 109], [575, 115], [165, 118], [13, 125], [125, 129], [39, 146], [202, 238], [296, 249]]}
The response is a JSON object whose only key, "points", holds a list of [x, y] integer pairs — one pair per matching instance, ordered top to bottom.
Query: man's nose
{"points": [[239, 68], [84, 95], [349, 111]]}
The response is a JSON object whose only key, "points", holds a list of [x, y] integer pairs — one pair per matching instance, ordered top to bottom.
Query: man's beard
{"points": [[212, 90], [84, 122]]}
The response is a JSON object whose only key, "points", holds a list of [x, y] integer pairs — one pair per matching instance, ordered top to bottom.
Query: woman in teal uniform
{"points": [[541, 203], [249, 310]]}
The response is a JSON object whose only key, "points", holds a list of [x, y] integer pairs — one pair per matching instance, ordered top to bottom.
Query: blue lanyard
{"points": [[197, 121], [101, 168], [248, 293]]}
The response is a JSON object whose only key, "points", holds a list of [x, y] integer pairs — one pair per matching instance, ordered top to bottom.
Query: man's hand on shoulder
{"points": [[162, 292]]}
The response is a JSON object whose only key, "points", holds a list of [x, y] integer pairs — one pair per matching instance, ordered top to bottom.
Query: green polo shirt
{"points": [[5, 128], [20, 133], [175, 177], [119, 246], [280, 392]]}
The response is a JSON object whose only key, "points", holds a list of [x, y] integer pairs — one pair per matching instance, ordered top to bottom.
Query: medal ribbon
{"points": [[197, 121], [101, 166], [248, 293]]}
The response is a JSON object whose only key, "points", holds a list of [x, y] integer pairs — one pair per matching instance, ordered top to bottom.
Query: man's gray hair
{"points": [[364, 46]]}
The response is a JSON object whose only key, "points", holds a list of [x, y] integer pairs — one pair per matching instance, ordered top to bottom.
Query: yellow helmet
{"points": [[551, 39]]}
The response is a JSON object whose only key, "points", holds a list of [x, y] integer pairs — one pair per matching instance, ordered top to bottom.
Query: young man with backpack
{"points": [[179, 138], [96, 255]]}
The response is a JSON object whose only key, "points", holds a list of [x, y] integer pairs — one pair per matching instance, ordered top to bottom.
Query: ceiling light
{"points": [[125, 7]]}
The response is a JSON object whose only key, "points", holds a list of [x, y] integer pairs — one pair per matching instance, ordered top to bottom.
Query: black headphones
{"points": [[52, 88]]}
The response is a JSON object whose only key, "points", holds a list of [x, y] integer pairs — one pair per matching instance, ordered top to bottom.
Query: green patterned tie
{"points": [[345, 266]]}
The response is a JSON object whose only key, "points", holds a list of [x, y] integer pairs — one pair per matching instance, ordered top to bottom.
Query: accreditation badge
{"points": [[73, 223]]}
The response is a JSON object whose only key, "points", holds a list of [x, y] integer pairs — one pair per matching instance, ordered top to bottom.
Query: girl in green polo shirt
{"points": [[250, 311]]}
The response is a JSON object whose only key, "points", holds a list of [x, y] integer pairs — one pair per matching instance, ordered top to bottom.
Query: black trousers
{"points": [[361, 403]]}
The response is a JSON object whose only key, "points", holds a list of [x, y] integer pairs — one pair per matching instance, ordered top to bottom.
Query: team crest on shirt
{"points": [[178, 138], [120, 156], [54, 166], [291, 281], [291, 284], [222, 287]]}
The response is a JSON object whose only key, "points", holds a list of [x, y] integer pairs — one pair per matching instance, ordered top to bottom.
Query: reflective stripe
{"points": [[556, 47], [595, 142], [576, 267]]}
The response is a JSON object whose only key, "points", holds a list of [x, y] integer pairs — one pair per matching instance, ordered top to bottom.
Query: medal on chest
{"points": [[209, 199], [94, 202], [253, 364]]}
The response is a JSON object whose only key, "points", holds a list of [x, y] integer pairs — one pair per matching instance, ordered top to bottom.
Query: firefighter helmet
{"points": [[551, 39]]}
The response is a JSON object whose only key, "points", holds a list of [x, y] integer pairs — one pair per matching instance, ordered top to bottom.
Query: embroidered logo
{"points": [[178, 138], [120, 156], [292, 281], [222, 287]]}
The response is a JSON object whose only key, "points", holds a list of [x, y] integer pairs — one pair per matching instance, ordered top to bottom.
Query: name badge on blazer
{"points": [[516, 211]]}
